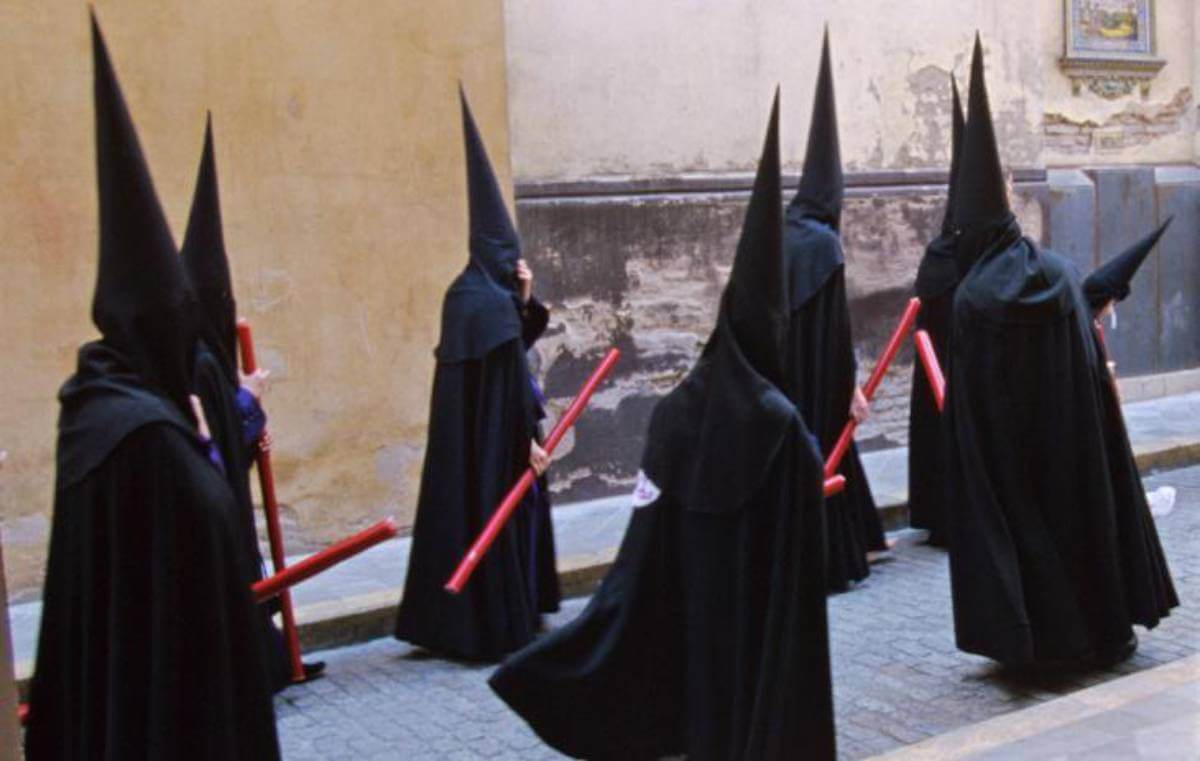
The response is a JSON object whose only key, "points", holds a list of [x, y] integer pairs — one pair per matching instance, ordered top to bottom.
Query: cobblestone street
{"points": [[897, 677]]}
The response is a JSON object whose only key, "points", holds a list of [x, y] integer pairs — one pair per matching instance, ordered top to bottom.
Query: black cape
{"points": [[937, 278], [821, 382], [218, 397], [483, 414], [1053, 551], [1153, 593], [708, 636], [144, 650]]}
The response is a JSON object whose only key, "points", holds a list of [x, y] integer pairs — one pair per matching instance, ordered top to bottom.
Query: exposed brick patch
{"points": [[1136, 124]]}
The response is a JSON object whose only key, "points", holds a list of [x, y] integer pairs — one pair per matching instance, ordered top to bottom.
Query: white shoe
{"points": [[1162, 501]]}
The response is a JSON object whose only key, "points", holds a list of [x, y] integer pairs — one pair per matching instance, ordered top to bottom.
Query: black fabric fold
{"points": [[476, 314], [708, 636]]}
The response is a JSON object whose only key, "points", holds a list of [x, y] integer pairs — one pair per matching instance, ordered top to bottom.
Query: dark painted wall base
{"points": [[640, 266]]}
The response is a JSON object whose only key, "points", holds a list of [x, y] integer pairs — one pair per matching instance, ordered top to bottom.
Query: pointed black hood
{"points": [[957, 127], [822, 186], [981, 198], [982, 217], [494, 241], [207, 266], [938, 271], [1110, 282], [755, 301], [142, 303], [479, 312], [714, 437]]}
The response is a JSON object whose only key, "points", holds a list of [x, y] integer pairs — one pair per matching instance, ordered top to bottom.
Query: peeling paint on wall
{"points": [[1135, 125], [929, 140]]}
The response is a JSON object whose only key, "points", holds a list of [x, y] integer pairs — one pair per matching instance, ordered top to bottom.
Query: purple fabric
{"points": [[537, 391], [254, 418], [214, 454]]}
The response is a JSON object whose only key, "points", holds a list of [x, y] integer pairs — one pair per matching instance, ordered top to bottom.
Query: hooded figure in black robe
{"points": [[937, 277], [1109, 283], [820, 350], [215, 381], [484, 413], [1142, 552], [1053, 553], [708, 636], [147, 647]]}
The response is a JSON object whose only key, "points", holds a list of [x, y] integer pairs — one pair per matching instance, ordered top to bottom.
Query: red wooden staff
{"points": [[885, 359], [933, 369], [266, 480], [506, 507], [310, 566]]}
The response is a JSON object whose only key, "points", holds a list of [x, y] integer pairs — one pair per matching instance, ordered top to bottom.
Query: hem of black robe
{"points": [[861, 531], [936, 538], [844, 582], [418, 637], [1026, 654], [1014, 656], [531, 713]]}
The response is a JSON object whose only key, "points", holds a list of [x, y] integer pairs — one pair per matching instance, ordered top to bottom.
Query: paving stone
{"points": [[898, 677]]}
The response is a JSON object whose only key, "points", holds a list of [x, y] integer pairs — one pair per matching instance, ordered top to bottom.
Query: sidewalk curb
{"points": [[364, 617], [1001, 735]]}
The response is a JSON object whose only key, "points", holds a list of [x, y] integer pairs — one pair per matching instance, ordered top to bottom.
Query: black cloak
{"points": [[937, 277], [820, 349], [216, 382], [483, 413], [1053, 552], [708, 636], [146, 648]]}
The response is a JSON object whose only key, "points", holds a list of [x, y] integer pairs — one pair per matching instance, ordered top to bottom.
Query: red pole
{"points": [[1099, 328], [881, 366], [933, 370], [266, 481], [834, 485], [500, 516], [323, 560], [305, 569]]}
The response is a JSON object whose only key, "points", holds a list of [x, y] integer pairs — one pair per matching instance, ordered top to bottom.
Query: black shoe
{"points": [[1115, 654], [314, 670]]}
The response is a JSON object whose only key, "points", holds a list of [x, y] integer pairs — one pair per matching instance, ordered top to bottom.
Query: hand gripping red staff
{"points": [[889, 352], [933, 370], [266, 480], [506, 507]]}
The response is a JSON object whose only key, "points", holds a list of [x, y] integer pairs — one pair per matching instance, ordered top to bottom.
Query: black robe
{"points": [[937, 278], [821, 382], [218, 396], [483, 414], [1053, 552], [1151, 591], [708, 636], [147, 646]]}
